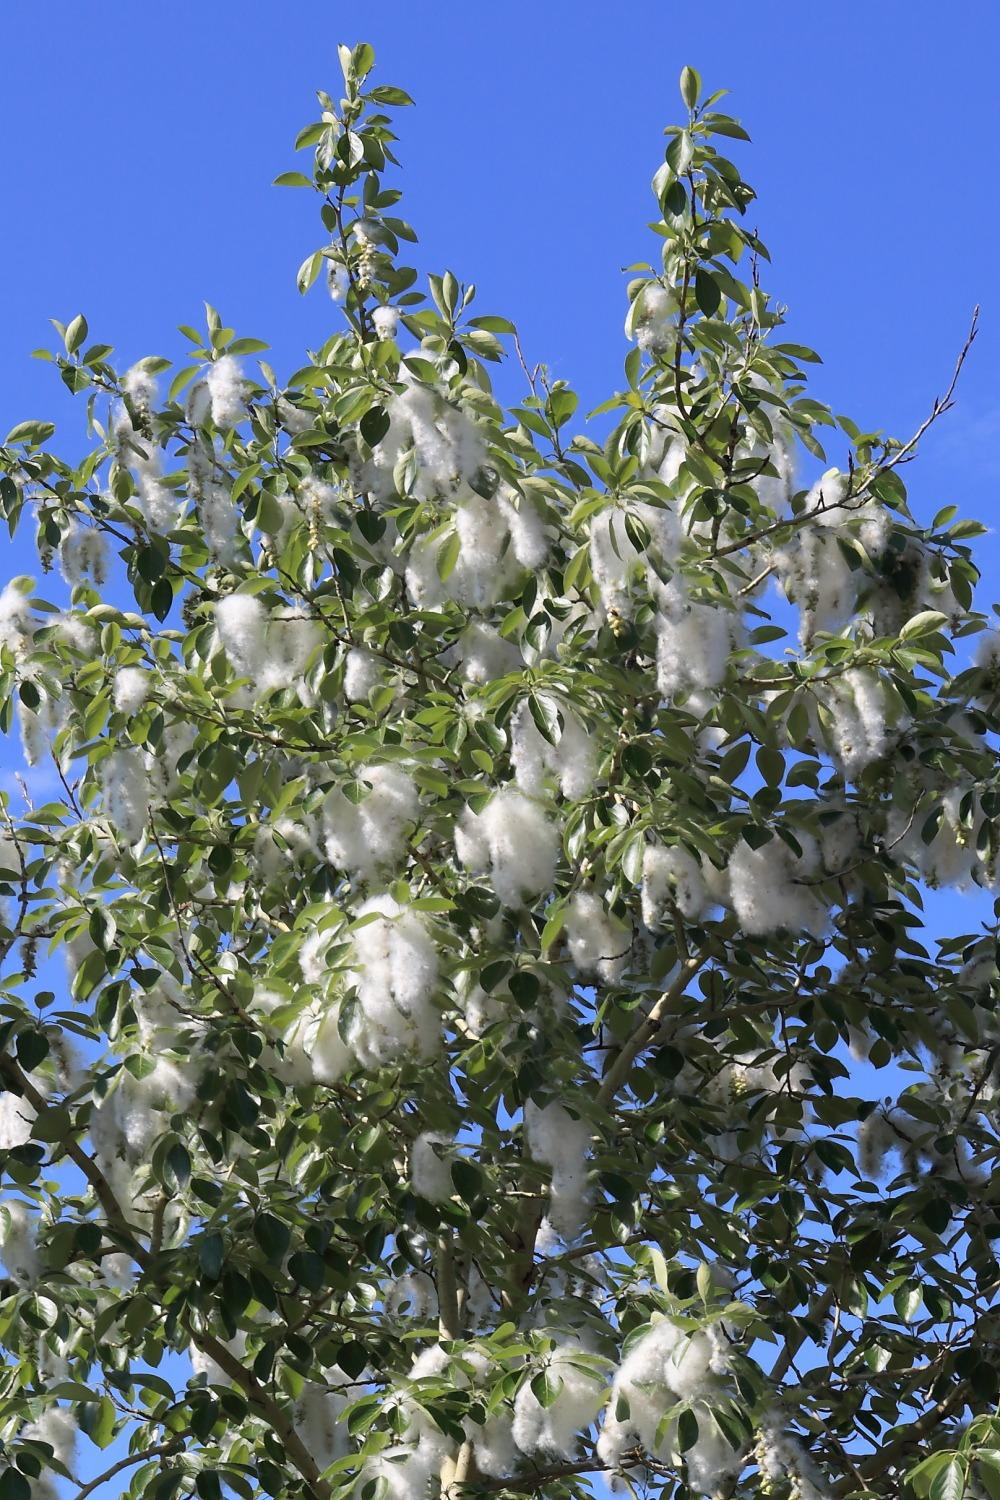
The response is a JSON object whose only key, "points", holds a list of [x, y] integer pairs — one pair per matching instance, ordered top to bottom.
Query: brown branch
{"points": [[648, 1029], [159, 1450]]}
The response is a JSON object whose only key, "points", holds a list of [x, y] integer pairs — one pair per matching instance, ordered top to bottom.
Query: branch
{"points": [[647, 1030], [276, 1418], [159, 1450]]}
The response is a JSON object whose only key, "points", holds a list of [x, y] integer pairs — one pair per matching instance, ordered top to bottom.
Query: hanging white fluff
{"points": [[226, 388], [693, 641], [131, 689], [571, 760], [125, 794], [364, 837], [514, 842], [672, 874], [768, 891], [598, 942], [394, 967], [562, 1143], [431, 1156], [18, 1240], [557, 1428]]}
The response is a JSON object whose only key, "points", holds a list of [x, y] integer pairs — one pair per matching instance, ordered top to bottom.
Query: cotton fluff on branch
{"points": [[652, 319], [385, 321], [226, 391], [447, 446], [138, 450], [496, 543], [83, 554], [617, 562], [813, 570], [241, 621], [17, 625], [693, 641], [485, 655], [362, 672], [131, 689], [858, 713], [571, 760], [125, 794], [365, 837], [514, 842], [951, 857], [672, 874], [766, 890], [598, 942], [394, 967], [17, 1116], [562, 1144], [431, 1156], [18, 1234], [204, 1364], [664, 1366], [319, 1423], [57, 1427], [557, 1428], [780, 1456], [409, 1468]]}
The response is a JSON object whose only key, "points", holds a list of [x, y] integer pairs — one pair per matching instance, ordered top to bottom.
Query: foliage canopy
{"points": [[500, 1042]]}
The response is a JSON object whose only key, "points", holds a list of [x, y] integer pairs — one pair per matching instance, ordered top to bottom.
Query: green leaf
{"points": [[690, 83], [293, 179], [707, 293], [75, 334], [374, 425], [30, 433], [447, 555], [927, 622], [273, 1236], [687, 1430], [949, 1482], [14, 1486]]}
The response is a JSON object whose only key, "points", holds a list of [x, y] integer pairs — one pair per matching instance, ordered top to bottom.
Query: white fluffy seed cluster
{"points": [[652, 319], [226, 392], [446, 444], [139, 451], [497, 538], [83, 555], [618, 562], [693, 641], [273, 651], [131, 689], [857, 709], [570, 761], [125, 794], [363, 838], [513, 842], [672, 875], [768, 887], [599, 942], [376, 1009], [127, 1121], [562, 1143], [431, 1156], [18, 1239], [666, 1365], [57, 1426], [556, 1429]]}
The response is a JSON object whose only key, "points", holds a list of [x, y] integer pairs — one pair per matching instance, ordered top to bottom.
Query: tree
{"points": [[481, 853]]}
